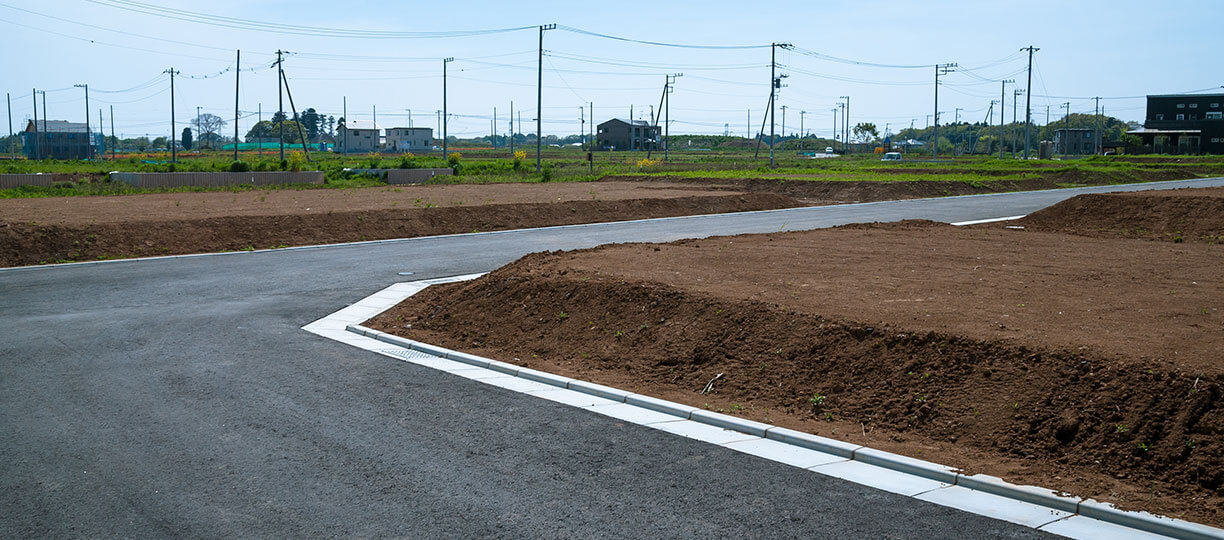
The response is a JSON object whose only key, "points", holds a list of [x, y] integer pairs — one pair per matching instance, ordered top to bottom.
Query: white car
{"points": [[829, 150], [891, 156]]}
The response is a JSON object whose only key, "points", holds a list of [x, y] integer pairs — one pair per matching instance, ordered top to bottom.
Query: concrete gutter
{"points": [[1062, 514]]}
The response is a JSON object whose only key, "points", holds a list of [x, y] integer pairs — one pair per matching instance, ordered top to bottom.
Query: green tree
{"points": [[270, 130], [866, 132], [186, 138]]}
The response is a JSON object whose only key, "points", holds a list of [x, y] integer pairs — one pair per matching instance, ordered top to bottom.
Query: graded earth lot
{"points": [[1178, 215], [64, 229], [1089, 365]]}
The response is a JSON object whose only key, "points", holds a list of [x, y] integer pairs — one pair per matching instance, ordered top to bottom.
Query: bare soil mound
{"points": [[835, 192], [1183, 215], [24, 243], [896, 337]]}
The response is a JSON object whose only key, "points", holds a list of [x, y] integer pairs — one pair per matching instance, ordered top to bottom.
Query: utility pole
{"points": [[940, 69], [237, 77], [775, 84], [34, 94], [540, 94], [1015, 94], [1028, 97], [8, 100], [280, 102], [1002, 110], [344, 112], [836, 112], [667, 116], [112, 117], [445, 119], [259, 120], [956, 122], [784, 124], [846, 125], [582, 126], [1066, 127], [512, 128], [749, 128], [197, 129], [493, 131], [1096, 133], [88, 134], [802, 134], [377, 135], [594, 141], [173, 149]]}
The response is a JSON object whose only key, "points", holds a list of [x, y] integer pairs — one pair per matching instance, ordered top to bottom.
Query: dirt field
{"points": [[824, 188], [1181, 215], [42, 230], [1089, 365]]}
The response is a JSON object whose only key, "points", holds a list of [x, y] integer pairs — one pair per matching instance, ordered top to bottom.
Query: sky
{"points": [[385, 58]]}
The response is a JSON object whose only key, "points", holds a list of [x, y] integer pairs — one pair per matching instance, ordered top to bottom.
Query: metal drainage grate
{"points": [[409, 354]]}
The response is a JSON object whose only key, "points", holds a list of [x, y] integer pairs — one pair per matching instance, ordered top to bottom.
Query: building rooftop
{"points": [[1185, 95], [631, 122], [361, 124], [60, 126]]}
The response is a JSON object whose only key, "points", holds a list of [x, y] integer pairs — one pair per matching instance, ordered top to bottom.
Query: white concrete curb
{"points": [[1033, 506]]}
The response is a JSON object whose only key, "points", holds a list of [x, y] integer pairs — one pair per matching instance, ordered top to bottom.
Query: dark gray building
{"points": [[1184, 124], [617, 134], [59, 139], [1074, 141]]}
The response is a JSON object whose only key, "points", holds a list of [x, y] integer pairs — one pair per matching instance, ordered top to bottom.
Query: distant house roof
{"points": [[1185, 95], [642, 123], [360, 124], [57, 126], [412, 128]]}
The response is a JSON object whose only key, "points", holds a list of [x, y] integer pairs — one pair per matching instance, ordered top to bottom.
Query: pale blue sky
{"points": [[1110, 48]]}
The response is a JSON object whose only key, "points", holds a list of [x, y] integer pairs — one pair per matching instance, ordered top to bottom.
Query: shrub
{"points": [[519, 156], [453, 159], [407, 161], [239, 166], [546, 173]]}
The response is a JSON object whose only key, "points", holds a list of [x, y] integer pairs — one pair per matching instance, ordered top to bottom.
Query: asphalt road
{"points": [[179, 397]]}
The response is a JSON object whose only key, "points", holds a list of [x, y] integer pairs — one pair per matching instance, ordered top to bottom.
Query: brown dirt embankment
{"points": [[812, 189], [1181, 215], [25, 243], [1081, 364]]}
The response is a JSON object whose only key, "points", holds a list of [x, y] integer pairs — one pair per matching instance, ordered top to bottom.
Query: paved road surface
{"points": [[180, 397]]}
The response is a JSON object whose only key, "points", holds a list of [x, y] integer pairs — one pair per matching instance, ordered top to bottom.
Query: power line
{"points": [[283, 28], [657, 43]]}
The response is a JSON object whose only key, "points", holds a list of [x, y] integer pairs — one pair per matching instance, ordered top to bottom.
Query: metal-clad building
{"points": [[1184, 124], [617, 134], [358, 136], [60, 139], [414, 139], [1074, 141]]}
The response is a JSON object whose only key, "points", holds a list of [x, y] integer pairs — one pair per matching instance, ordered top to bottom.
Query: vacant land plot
{"points": [[1180, 215], [61, 229], [1089, 365]]}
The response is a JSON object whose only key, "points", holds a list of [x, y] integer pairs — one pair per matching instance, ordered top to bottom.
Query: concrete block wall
{"points": [[177, 179], [9, 181]]}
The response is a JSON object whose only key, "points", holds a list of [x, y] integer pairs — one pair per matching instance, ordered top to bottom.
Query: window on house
{"points": [[1181, 105], [1194, 105], [1215, 105], [1217, 115], [1160, 117], [1181, 117], [1194, 117]]}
